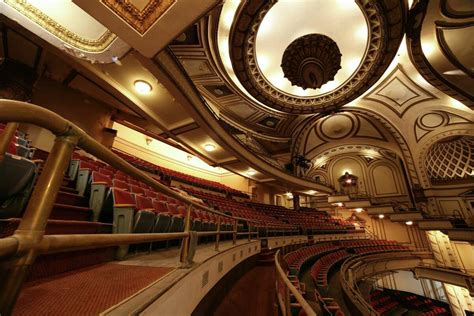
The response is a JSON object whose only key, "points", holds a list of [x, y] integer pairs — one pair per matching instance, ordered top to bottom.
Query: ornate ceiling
{"points": [[404, 85]]}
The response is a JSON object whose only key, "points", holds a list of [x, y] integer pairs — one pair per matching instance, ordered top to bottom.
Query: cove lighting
{"points": [[142, 87], [209, 147], [251, 172], [311, 192], [381, 216], [409, 222]]}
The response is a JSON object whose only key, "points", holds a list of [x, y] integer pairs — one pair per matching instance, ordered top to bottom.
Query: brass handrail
{"points": [[22, 112], [29, 240], [289, 287]]}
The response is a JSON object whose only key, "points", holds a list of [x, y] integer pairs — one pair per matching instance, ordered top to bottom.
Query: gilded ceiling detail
{"points": [[140, 20], [50, 25], [384, 39], [429, 65], [399, 93], [431, 121]]}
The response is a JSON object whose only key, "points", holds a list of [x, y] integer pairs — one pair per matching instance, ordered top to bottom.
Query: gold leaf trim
{"points": [[142, 20], [58, 30]]}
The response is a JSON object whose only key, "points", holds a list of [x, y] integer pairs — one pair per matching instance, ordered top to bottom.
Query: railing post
{"points": [[6, 137], [32, 226], [250, 232], [234, 235], [186, 241], [216, 248]]}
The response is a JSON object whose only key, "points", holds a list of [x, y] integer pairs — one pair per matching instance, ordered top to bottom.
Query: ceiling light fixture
{"points": [[142, 87], [209, 147], [251, 172], [311, 192], [340, 204], [358, 210], [381, 216], [409, 223]]}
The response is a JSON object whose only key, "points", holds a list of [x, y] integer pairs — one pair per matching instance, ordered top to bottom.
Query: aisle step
{"points": [[71, 199], [71, 212], [58, 227]]}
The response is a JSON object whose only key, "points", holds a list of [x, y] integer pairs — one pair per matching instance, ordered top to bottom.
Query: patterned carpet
{"points": [[87, 291]]}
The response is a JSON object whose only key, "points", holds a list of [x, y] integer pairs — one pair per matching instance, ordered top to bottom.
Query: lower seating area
{"points": [[321, 258], [386, 301]]}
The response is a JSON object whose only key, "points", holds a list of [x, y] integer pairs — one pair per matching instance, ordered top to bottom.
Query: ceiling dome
{"points": [[262, 31], [311, 61], [451, 159]]}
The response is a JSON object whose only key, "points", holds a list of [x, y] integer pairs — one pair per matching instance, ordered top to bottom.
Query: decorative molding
{"points": [[453, 14], [139, 20], [50, 25], [441, 28], [384, 39], [428, 72], [399, 93], [429, 122]]}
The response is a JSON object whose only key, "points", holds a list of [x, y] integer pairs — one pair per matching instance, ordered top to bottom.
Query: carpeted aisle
{"points": [[87, 291], [252, 295]]}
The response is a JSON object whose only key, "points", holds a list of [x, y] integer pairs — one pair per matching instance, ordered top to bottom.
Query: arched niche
{"points": [[353, 165], [385, 179]]}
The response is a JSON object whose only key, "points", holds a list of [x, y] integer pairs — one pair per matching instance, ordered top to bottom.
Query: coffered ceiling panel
{"points": [[148, 26], [68, 27], [398, 92]]}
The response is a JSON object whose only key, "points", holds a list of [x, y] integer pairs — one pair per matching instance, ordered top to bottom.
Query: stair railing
{"points": [[20, 250], [285, 289]]}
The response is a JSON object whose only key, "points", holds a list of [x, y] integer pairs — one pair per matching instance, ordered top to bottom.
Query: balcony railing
{"points": [[19, 250]]}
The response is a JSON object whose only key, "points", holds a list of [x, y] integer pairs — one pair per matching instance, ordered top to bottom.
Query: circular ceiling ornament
{"points": [[385, 22], [311, 61]]}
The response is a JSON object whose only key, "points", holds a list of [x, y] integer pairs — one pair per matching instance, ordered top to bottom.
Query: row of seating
{"points": [[19, 145], [179, 176], [132, 206], [236, 208], [298, 258], [320, 269], [385, 301]]}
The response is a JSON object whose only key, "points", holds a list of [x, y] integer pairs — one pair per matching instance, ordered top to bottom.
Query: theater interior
{"points": [[226, 157]]}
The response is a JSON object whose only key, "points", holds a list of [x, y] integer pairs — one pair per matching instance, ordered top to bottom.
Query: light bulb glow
{"points": [[142, 87], [209, 147], [358, 210], [381, 216], [409, 223]]}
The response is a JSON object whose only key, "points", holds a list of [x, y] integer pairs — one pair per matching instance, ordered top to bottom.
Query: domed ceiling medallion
{"points": [[385, 22], [311, 61]]}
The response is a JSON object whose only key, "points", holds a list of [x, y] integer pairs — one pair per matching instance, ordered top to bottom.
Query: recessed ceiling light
{"points": [[142, 87], [209, 147], [251, 172], [381, 216], [409, 222]]}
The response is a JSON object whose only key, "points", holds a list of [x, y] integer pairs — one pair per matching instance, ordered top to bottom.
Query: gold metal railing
{"points": [[19, 251], [285, 289]]}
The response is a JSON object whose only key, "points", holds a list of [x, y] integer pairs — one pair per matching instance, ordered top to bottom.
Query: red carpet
{"points": [[88, 291]]}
